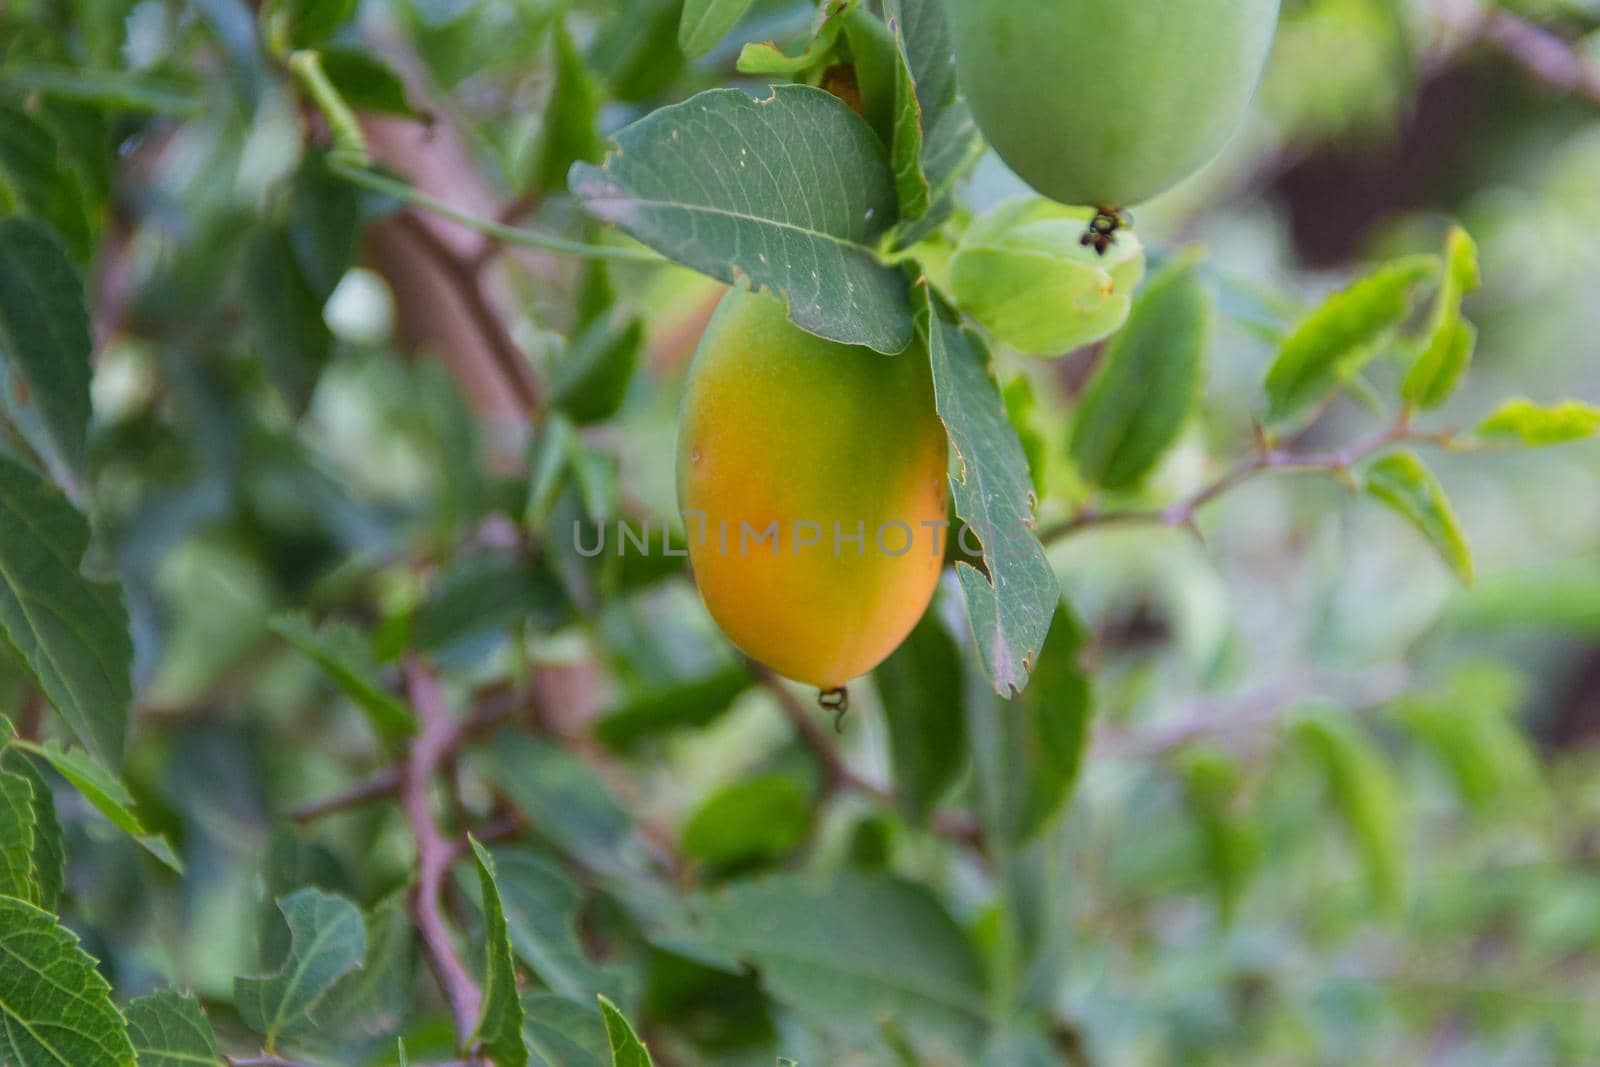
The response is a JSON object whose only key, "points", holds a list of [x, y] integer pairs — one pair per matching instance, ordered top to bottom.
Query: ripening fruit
{"points": [[1105, 103], [812, 479]]}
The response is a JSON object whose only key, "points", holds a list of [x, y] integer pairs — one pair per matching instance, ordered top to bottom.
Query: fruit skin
{"points": [[1106, 103], [778, 424]]}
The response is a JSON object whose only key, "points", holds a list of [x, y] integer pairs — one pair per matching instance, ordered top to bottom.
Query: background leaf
{"points": [[705, 22], [716, 184], [44, 336], [1146, 385], [72, 633], [343, 655], [921, 688], [106, 792], [1365, 794], [746, 823], [328, 941], [854, 949], [626, 1048]]}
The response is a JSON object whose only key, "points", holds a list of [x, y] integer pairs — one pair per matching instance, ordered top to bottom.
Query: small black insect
{"points": [[1102, 231]]}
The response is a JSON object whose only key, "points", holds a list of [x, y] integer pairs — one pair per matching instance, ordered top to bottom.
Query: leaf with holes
{"points": [[789, 193], [1009, 607]]}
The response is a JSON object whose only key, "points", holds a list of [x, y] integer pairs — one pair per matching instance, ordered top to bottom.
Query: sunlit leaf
{"points": [[1340, 336], [1448, 348], [1536, 426], [1405, 484]]}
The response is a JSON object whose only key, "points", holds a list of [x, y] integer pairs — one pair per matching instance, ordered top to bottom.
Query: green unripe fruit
{"points": [[1106, 103]]}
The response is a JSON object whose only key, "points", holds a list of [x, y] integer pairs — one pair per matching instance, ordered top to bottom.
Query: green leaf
{"points": [[705, 22], [307, 23], [765, 57], [367, 83], [111, 90], [571, 132], [935, 139], [32, 170], [722, 184], [323, 224], [1023, 273], [283, 316], [44, 336], [1340, 336], [1434, 375], [592, 376], [1146, 385], [1537, 426], [1401, 481], [483, 594], [1010, 606], [71, 633], [344, 655], [921, 687], [694, 703], [1471, 726], [1036, 742], [1211, 784], [105, 791], [1364, 791], [558, 792], [748, 823], [17, 838], [49, 858], [542, 907], [327, 942], [854, 949], [375, 999], [55, 1008], [500, 1020], [170, 1030], [565, 1032], [626, 1048]]}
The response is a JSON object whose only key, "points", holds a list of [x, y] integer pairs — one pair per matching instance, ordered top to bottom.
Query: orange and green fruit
{"points": [[1106, 103], [812, 442]]}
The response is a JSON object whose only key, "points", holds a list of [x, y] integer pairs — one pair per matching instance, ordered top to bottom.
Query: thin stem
{"points": [[510, 235], [1182, 514], [838, 776], [435, 851]]}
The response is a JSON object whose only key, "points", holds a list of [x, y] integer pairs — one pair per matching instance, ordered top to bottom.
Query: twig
{"points": [[1548, 58], [468, 283], [1181, 515], [491, 712], [838, 776], [435, 851]]}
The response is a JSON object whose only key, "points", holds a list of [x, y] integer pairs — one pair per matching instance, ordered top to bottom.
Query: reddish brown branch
{"points": [[435, 852]]}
